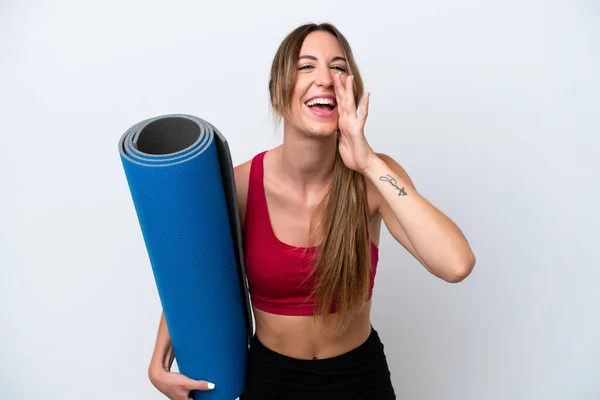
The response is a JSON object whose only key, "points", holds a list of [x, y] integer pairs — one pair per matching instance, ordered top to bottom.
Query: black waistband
{"points": [[372, 345]]}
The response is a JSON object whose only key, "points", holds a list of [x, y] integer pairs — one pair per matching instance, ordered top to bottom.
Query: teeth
{"points": [[321, 101]]}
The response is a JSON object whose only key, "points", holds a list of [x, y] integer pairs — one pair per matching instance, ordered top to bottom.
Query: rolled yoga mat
{"points": [[180, 175]]}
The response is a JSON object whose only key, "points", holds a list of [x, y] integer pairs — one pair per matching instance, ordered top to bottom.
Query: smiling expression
{"points": [[314, 109]]}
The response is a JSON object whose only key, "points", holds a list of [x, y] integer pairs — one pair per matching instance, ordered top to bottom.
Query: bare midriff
{"points": [[303, 338]]}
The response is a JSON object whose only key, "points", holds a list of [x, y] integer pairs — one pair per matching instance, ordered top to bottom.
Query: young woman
{"points": [[312, 210]]}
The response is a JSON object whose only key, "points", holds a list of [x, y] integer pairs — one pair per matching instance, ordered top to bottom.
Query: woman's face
{"points": [[314, 108]]}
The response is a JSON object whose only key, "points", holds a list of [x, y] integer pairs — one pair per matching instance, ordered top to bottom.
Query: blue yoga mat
{"points": [[180, 175]]}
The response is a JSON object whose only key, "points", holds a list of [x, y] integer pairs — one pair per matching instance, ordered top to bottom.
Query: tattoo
{"points": [[392, 181]]}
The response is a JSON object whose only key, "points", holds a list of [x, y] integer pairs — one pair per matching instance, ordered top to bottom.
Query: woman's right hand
{"points": [[176, 386]]}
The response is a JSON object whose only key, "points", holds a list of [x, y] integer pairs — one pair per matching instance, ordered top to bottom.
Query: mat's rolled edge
{"points": [[128, 149], [228, 177]]}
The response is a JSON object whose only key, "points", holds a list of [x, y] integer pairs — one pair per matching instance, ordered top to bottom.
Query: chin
{"points": [[313, 125], [322, 127], [323, 131]]}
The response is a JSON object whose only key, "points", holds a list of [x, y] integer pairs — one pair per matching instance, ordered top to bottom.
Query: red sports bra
{"points": [[277, 272]]}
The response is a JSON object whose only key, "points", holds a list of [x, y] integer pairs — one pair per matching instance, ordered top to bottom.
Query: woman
{"points": [[312, 211]]}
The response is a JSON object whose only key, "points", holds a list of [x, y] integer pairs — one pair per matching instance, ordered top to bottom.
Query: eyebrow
{"points": [[315, 58]]}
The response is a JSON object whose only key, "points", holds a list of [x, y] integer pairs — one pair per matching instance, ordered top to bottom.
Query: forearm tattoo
{"points": [[392, 181]]}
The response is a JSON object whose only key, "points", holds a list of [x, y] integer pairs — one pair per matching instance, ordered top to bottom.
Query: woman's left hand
{"points": [[353, 146]]}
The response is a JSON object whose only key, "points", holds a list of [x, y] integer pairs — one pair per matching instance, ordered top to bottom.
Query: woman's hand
{"points": [[353, 146], [176, 386]]}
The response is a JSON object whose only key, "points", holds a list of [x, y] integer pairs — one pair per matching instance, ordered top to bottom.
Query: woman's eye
{"points": [[335, 67]]}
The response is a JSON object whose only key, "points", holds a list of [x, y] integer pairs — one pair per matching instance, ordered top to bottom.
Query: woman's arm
{"points": [[416, 224], [429, 235], [163, 356], [172, 384]]}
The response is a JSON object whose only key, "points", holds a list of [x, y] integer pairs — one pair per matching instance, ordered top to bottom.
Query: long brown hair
{"points": [[343, 259]]}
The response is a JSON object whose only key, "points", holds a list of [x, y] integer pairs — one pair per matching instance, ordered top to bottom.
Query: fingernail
{"points": [[211, 385]]}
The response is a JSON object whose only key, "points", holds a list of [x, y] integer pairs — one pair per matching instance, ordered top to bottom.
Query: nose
{"points": [[324, 78]]}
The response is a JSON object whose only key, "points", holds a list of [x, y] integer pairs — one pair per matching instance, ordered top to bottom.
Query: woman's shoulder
{"points": [[241, 174]]}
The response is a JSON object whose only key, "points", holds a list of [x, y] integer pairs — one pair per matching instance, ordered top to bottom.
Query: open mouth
{"points": [[322, 106]]}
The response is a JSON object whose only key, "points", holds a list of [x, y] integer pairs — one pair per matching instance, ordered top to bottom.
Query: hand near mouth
{"points": [[353, 146]]}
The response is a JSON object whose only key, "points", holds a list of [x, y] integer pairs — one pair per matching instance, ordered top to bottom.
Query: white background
{"points": [[491, 106]]}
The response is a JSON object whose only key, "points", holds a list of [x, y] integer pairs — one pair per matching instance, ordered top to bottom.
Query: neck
{"points": [[306, 161]]}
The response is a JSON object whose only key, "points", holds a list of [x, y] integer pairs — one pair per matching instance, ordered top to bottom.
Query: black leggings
{"points": [[361, 373]]}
